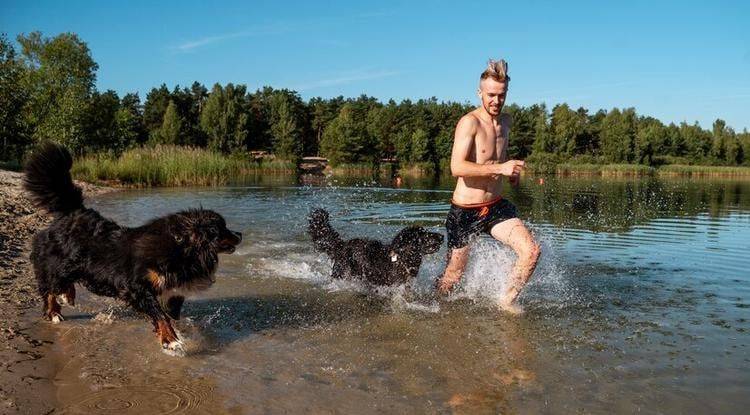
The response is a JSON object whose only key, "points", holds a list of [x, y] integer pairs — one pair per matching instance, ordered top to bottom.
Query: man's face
{"points": [[493, 94]]}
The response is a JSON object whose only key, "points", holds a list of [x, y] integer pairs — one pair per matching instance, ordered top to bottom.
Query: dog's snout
{"points": [[238, 235]]}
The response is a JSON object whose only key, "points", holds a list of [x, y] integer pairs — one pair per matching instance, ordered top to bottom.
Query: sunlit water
{"points": [[640, 303]]}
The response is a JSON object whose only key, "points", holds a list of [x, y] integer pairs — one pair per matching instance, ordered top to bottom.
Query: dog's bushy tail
{"points": [[47, 179], [326, 238]]}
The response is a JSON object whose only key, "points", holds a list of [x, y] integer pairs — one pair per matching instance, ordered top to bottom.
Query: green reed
{"points": [[164, 165]]}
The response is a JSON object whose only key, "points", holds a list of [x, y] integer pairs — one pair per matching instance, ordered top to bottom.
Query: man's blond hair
{"points": [[497, 70]]}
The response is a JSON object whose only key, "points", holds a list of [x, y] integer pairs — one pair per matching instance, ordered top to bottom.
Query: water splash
{"points": [[489, 269], [487, 274]]}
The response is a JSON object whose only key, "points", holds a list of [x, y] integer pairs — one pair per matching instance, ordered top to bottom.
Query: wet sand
{"points": [[28, 366]]}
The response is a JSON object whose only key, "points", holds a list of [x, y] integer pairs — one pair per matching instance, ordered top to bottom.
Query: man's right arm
{"points": [[463, 142]]}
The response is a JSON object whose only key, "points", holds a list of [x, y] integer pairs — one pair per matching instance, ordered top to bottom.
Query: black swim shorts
{"points": [[466, 221]]}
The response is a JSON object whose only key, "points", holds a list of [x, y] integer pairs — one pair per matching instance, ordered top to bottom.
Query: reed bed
{"points": [[164, 165]]}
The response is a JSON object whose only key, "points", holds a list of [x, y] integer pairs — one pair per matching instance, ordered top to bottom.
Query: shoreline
{"points": [[175, 166], [28, 365]]}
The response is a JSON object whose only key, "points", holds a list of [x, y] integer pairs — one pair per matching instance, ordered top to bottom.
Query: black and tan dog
{"points": [[371, 260], [149, 267]]}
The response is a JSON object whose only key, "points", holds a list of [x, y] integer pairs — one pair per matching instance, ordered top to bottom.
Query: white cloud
{"points": [[257, 31], [347, 78]]}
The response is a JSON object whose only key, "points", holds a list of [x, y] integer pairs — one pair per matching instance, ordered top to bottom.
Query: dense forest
{"points": [[47, 90]]}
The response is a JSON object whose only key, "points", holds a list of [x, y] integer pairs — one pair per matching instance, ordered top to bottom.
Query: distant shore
{"points": [[174, 166], [641, 170]]}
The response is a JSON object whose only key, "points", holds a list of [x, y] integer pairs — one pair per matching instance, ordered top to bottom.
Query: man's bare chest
{"points": [[488, 144]]}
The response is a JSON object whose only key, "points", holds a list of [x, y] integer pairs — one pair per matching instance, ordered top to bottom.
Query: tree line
{"points": [[47, 90]]}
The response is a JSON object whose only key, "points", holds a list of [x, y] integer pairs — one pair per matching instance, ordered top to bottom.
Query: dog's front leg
{"points": [[166, 334]]}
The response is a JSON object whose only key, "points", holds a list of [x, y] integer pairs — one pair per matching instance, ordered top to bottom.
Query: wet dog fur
{"points": [[371, 260], [149, 267]]}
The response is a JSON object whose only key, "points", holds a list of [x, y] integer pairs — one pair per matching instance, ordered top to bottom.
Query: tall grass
{"points": [[163, 166], [274, 166], [355, 169], [418, 169]]}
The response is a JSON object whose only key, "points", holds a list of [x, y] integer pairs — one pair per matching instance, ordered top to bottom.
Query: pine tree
{"points": [[154, 108], [225, 120], [566, 128], [171, 129], [618, 135], [542, 137], [287, 139], [345, 139], [649, 140], [719, 142], [420, 146], [734, 154]]}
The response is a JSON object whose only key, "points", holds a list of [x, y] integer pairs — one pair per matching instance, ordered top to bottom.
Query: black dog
{"points": [[369, 259], [149, 267]]}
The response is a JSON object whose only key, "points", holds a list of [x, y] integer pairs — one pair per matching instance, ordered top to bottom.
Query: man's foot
{"points": [[445, 287], [508, 303], [510, 308]]}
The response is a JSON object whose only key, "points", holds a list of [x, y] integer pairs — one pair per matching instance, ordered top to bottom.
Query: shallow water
{"points": [[640, 303]]}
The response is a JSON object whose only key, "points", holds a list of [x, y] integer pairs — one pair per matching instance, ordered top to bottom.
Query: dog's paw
{"points": [[56, 318], [174, 348]]}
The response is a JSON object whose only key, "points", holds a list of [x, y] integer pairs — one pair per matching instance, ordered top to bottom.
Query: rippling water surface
{"points": [[640, 303]]}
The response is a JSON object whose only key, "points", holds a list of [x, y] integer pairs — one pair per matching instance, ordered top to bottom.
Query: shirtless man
{"points": [[480, 160]]}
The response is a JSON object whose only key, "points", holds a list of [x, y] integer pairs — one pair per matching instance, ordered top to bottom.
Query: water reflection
{"points": [[591, 203]]}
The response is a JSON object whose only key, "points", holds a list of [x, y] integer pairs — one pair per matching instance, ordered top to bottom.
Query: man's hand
{"points": [[510, 168], [514, 180]]}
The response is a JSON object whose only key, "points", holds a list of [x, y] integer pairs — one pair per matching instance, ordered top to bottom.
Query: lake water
{"points": [[640, 303]]}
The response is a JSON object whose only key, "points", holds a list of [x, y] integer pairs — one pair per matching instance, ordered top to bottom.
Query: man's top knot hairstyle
{"points": [[497, 70]]}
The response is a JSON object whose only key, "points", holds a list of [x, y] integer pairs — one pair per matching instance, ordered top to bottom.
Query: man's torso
{"points": [[489, 147]]}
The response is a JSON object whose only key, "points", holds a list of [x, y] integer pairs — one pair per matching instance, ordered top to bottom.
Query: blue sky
{"points": [[676, 61]]}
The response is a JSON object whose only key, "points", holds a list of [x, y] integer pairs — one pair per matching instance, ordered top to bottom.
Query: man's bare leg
{"points": [[514, 233], [454, 270]]}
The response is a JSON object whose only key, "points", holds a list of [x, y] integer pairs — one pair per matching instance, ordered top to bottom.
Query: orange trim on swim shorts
{"points": [[484, 207]]}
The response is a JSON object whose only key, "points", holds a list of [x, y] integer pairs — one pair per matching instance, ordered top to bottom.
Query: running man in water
{"points": [[480, 160]]}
